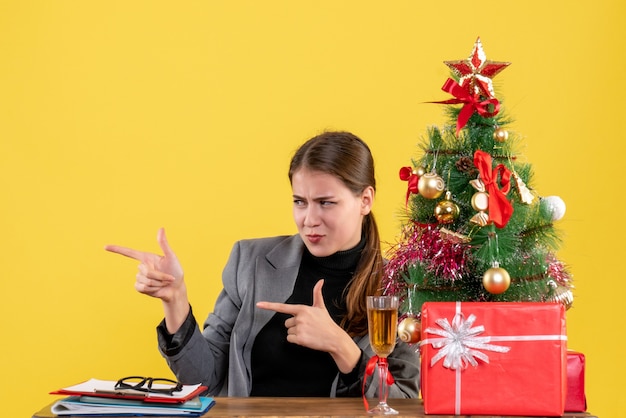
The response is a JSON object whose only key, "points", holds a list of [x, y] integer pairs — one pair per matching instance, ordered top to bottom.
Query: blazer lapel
{"points": [[275, 277]]}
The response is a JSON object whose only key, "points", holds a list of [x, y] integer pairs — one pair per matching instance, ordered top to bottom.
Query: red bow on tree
{"points": [[471, 103], [406, 174], [500, 209]]}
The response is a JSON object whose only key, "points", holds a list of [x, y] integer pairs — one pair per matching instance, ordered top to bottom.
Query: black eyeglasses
{"points": [[145, 384]]}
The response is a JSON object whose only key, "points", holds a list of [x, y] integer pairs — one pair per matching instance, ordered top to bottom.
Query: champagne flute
{"points": [[382, 319]]}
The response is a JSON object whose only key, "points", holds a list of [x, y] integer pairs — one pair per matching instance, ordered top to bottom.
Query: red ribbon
{"points": [[472, 103], [406, 174], [500, 209], [369, 371]]}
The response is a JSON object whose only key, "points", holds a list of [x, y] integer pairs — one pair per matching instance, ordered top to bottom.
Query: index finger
{"points": [[128, 252], [280, 307]]}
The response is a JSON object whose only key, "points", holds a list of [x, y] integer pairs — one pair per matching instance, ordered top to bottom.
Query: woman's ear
{"points": [[367, 200]]}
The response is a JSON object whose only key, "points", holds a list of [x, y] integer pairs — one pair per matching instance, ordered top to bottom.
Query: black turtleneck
{"points": [[281, 368]]}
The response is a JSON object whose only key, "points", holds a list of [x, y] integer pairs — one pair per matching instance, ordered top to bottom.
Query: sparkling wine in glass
{"points": [[382, 319]]}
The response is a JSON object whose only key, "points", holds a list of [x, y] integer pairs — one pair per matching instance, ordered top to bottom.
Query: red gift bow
{"points": [[472, 103], [406, 174], [500, 209], [369, 371]]}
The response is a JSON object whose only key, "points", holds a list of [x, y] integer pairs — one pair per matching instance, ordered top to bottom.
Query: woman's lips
{"points": [[314, 238]]}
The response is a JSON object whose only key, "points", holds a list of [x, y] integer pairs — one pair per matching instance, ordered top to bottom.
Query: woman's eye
{"points": [[326, 203]]}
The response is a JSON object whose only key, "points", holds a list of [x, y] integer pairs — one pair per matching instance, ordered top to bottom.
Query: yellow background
{"points": [[119, 117]]}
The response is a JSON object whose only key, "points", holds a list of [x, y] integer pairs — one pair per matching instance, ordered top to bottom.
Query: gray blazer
{"points": [[264, 270]]}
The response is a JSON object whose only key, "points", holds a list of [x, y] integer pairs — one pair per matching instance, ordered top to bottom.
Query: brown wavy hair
{"points": [[347, 157]]}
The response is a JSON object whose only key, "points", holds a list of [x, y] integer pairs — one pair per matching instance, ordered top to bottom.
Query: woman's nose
{"points": [[311, 218]]}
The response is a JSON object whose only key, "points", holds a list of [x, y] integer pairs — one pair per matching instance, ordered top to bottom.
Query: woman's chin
{"points": [[317, 249]]}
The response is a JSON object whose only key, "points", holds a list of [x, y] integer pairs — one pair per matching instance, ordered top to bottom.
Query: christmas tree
{"points": [[475, 230]]}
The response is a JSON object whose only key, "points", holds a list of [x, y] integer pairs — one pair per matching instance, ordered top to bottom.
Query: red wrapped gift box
{"points": [[494, 358], [576, 400]]}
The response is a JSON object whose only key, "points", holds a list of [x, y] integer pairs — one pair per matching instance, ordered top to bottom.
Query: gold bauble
{"points": [[500, 135], [419, 171], [430, 185], [447, 211], [496, 280], [410, 330]]}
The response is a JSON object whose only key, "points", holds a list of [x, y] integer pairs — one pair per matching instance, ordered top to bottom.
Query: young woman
{"points": [[291, 319]]}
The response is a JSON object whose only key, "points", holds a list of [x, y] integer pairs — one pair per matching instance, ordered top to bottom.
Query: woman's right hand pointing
{"points": [[159, 276]]}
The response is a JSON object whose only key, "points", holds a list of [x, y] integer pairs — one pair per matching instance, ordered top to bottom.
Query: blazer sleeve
{"points": [[205, 355], [404, 366]]}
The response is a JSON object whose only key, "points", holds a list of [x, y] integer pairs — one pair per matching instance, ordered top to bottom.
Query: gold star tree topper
{"points": [[475, 72]]}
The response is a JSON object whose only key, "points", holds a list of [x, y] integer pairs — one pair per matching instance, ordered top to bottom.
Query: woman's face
{"points": [[328, 215]]}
